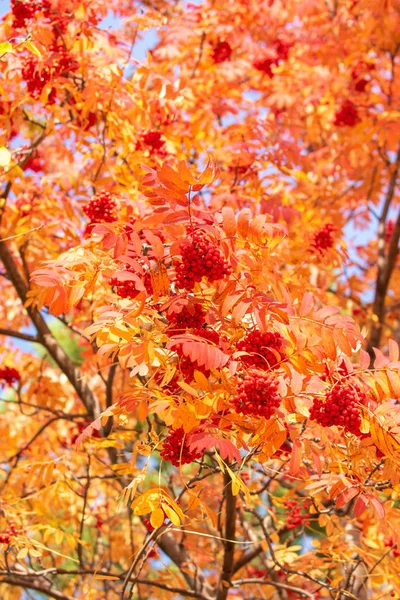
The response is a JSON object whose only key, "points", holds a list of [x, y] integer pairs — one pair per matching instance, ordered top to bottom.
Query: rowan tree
{"points": [[199, 370]]}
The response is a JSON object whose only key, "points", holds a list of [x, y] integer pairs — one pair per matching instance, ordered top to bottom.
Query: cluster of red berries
{"points": [[24, 10], [280, 51], [221, 52], [360, 76], [36, 77], [347, 115], [152, 140], [35, 162], [101, 208], [323, 239], [200, 258], [127, 288], [188, 318], [264, 349], [188, 367], [9, 376], [257, 394], [341, 408], [176, 448], [294, 515], [5, 538], [389, 543]]}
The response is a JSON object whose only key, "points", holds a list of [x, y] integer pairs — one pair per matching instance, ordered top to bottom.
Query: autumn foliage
{"points": [[199, 326]]}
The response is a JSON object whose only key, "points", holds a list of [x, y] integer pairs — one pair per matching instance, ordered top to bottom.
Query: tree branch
{"points": [[386, 263], [46, 338], [230, 532]]}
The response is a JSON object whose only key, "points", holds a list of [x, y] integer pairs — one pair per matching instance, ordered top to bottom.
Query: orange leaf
{"points": [[229, 221]]}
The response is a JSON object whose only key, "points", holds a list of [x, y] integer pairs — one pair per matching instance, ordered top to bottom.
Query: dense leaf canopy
{"points": [[200, 374]]}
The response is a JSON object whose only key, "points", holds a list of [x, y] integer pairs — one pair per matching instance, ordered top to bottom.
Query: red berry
{"points": [[221, 52], [265, 65], [347, 115], [101, 208], [323, 239], [200, 258], [127, 288], [191, 316], [265, 349], [9, 375], [257, 394], [340, 408], [176, 448], [294, 515]]}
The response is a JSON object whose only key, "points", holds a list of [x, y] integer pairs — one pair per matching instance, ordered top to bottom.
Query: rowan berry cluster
{"points": [[24, 10], [279, 51], [221, 52], [360, 76], [36, 77], [347, 115], [151, 139], [101, 208], [323, 240], [200, 258], [127, 288], [187, 318], [208, 334], [264, 349], [188, 367], [9, 376], [257, 394], [341, 408], [176, 448], [295, 515], [5, 538], [389, 543]]}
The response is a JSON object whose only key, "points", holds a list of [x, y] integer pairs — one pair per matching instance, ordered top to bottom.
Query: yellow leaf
{"points": [[5, 47], [32, 48], [5, 157], [157, 517]]}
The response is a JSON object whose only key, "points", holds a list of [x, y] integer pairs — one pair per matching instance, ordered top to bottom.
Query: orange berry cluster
{"points": [[264, 349], [257, 394]]}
